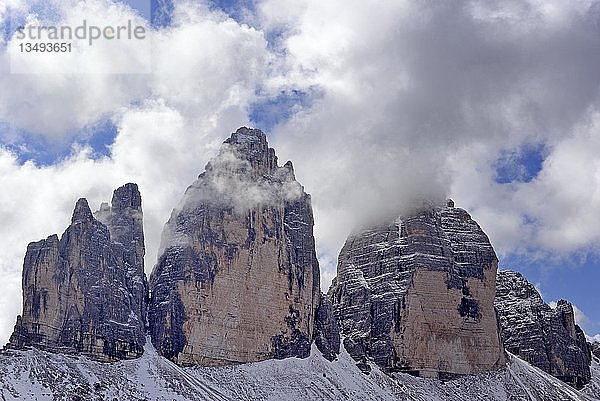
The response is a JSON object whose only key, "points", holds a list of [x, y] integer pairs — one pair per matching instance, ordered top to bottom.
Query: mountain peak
{"points": [[245, 135], [251, 144], [246, 151], [127, 196], [82, 211], [243, 240], [435, 260], [100, 266], [546, 337]]}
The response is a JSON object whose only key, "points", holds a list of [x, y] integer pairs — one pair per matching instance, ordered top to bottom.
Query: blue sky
{"points": [[370, 110], [266, 111], [28, 146], [521, 165], [575, 279]]}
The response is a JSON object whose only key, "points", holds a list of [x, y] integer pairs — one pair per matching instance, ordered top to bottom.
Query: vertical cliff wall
{"points": [[237, 279], [87, 292], [417, 295], [545, 337]]}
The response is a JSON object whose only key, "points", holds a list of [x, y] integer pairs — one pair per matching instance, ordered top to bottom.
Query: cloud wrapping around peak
{"points": [[422, 98], [168, 123], [236, 180], [232, 181]]}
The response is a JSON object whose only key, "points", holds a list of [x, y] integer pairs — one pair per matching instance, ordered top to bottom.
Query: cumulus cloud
{"points": [[190, 66], [55, 94], [420, 99], [169, 124], [549, 214]]}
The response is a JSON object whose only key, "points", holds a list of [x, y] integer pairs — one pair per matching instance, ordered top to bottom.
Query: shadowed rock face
{"points": [[237, 279], [87, 292], [417, 295], [327, 330], [545, 337], [596, 349]]}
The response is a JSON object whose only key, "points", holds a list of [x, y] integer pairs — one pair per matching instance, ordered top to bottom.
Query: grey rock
{"points": [[124, 219], [237, 279], [86, 293], [416, 295], [327, 330], [545, 337], [595, 349]]}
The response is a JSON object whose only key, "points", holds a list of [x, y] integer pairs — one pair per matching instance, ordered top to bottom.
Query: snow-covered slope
{"points": [[38, 375], [593, 387]]}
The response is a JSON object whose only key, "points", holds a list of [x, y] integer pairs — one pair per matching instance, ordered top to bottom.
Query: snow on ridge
{"points": [[39, 375]]}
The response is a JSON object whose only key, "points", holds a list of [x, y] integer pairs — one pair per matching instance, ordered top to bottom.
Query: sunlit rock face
{"points": [[237, 279], [87, 292], [416, 295], [545, 337]]}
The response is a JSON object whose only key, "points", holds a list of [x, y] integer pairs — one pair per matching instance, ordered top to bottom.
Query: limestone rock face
{"points": [[124, 219], [237, 279], [86, 293], [417, 295], [327, 330], [545, 337]]}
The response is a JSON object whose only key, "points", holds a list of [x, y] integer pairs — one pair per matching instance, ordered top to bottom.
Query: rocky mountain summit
{"points": [[237, 279], [86, 292], [416, 295], [235, 310], [545, 337]]}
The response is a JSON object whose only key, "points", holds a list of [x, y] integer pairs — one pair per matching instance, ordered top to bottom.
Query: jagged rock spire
{"points": [[127, 197], [82, 211], [238, 278], [86, 293], [545, 337]]}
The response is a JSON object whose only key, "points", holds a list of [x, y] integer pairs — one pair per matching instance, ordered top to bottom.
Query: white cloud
{"points": [[206, 59], [80, 91], [420, 98], [169, 124], [550, 214], [538, 287], [580, 318]]}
